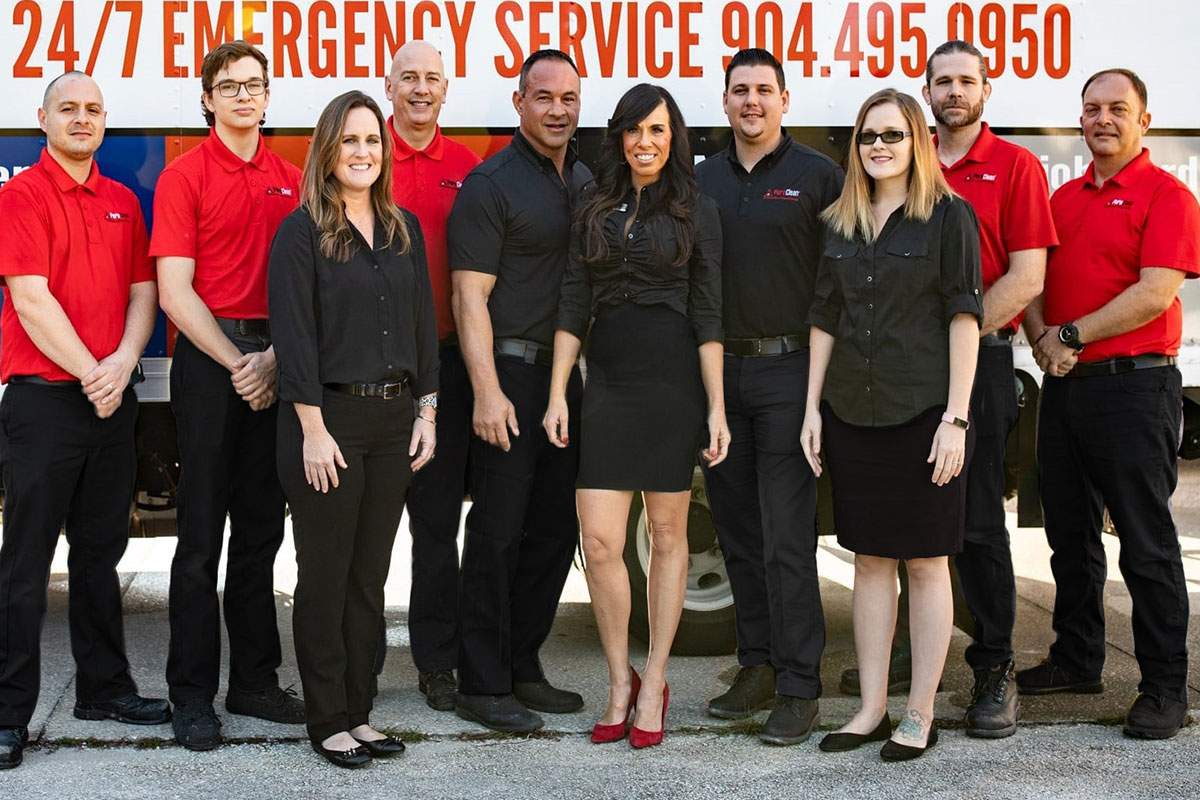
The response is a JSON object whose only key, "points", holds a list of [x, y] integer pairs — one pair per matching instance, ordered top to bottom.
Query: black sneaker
{"points": [[1049, 678], [440, 689], [753, 689], [994, 703], [273, 704], [131, 709], [1154, 717], [791, 721], [196, 725]]}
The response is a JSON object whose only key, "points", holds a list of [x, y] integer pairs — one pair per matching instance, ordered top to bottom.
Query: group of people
{"points": [[762, 313]]}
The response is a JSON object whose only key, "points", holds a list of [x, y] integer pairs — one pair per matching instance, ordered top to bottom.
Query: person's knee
{"points": [[668, 534], [600, 549], [874, 567], [928, 570]]}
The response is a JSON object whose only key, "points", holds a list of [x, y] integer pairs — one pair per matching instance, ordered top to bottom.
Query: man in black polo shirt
{"points": [[508, 237], [764, 498]]}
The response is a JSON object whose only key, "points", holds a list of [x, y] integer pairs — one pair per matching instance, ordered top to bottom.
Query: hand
{"points": [[1052, 356], [254, 377], [105, 384], [264, 400], [493, 418], [555, 421], [718, 439], [424, 441], [810, 441], [948, 452], [322, 457]]}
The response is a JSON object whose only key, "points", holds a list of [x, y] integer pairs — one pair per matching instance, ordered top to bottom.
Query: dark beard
{"points": [[973, 114]]}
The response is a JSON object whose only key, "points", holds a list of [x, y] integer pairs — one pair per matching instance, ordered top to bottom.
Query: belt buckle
{"points": [[758, 347], [530, 355], [390, 391]]}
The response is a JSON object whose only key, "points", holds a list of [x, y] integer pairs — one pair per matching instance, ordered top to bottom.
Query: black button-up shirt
{"points": [[512, 219], [772, 236], [637, 267], [889, 303], [367, 320]]}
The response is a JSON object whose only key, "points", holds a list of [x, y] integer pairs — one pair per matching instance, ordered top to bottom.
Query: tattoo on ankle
{"points": [[912, 726]]}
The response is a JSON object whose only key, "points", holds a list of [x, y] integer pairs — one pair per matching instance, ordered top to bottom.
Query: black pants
{"points": [[1111, 441], [63, 464], [227, 467], [764, 504], [434, 510], [522, 530], [343, 549], [985, 568]]}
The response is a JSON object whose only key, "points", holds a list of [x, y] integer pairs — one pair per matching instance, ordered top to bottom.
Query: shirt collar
{"points": [[785, 141], [522, 146], [981, 149], [402, 150], [229, 160], [1127, 175], [65, 182]]}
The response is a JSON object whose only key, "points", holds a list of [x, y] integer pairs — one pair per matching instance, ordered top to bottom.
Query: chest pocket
{"points": [[906, 267]]}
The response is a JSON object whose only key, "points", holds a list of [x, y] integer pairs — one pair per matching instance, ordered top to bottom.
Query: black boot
{"points": [[753, 690], [994, 703], [1153, 717], [791, 721]]}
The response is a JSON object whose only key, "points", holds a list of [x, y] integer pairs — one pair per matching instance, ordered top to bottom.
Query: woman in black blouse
{"points": [[645, 264], [352, 315], [895, 334]]}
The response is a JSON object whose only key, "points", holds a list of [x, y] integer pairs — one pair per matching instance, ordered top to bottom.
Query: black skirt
{"points": [[644, 406], [884, 500]]}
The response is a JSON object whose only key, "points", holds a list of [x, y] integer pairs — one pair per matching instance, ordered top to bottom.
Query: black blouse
{"points": [[637, 267], [889, 304], [368, 320]]}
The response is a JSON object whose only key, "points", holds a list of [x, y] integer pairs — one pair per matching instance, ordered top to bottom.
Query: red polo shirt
{"points": [[426, 183], [1007, 187], [222, 212], [1141, 217], [88, 240]]}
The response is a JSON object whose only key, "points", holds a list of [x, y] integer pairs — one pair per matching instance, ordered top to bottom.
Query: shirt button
{"points": [[631, 236], [907, 253], [375, 267], [870, 278], [381, 297], [870, 306], [385, 333], [868, 333], [868, 389]]}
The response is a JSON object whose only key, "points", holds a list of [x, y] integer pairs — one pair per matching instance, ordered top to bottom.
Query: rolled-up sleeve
{"points": [[704, 273], [961, 283], [575, 296], [293, 309], [423, 314]]}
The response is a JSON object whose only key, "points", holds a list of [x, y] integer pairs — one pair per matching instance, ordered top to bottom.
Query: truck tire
{"points": [[707, 625]]}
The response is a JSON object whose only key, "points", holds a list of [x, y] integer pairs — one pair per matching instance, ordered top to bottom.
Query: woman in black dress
{"points": [[645, 265], [352, 314], [895, 335]]}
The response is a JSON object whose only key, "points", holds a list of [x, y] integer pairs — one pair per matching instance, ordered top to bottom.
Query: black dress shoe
{"points": [[1049, 678], [439, 688], [753, 689], [541, 696], [994, 703], [272, 704], [130, 709], [499, 712], [1154, 717], [791, 721], [196, 725], [843, 742], [12, 746], [382, 748], [894, 751], [347, 759]]}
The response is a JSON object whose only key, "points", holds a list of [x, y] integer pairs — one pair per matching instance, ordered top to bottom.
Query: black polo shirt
{"points": [[512, 219], [772, 236], [889, 304]]}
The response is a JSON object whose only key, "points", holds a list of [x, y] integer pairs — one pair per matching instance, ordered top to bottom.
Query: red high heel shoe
{"points": [[603, 734], [639, 738]]}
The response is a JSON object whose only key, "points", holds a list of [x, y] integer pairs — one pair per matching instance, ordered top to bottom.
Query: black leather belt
{"points": [[245, 327], [1001, 338], [770, 346], [530, 352], [1115, 366], [135, 377], [384, 391]]}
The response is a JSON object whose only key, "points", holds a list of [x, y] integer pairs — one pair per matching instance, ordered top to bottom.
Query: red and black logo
{"points": [[790, 195]]}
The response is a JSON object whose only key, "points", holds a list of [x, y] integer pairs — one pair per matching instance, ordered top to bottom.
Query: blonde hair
{"points": [[322, 195], [851, 213]]}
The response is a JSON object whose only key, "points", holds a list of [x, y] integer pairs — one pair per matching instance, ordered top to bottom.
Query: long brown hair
{"points": [[323, 194], [851, 213]]}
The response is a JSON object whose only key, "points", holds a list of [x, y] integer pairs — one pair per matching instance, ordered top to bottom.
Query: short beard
{"points": [[973, 114]]}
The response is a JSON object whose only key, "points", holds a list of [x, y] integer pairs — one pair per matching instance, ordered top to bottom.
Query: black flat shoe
{"points": [[844, 742], [382, 748], [894, 751], [347, 759]]}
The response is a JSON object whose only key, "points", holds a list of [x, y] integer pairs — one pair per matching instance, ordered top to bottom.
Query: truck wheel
{"points": [[707, 625]]}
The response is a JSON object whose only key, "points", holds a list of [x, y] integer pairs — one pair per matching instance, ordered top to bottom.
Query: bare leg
{"points": [[602, 518], [665, 587], [931, 620], [874, 624], [366, 733], [340, 741]]}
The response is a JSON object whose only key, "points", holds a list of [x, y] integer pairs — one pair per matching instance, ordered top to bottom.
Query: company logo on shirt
{"points": [[987, 177], [450, 183], [280, 191], [791, 195], [1117, 202], [116, 216]]}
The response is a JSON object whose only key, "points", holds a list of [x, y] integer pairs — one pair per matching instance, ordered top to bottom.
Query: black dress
{"points": [[889, 304], [644, 406]]}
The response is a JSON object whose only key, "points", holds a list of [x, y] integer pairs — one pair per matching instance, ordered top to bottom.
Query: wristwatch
{"points": [[1069, 335], [957, 422]]}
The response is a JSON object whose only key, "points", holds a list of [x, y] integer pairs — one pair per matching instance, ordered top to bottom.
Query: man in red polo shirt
{"points": [[427, 173], [216, 209], [78, 309], [1106, 332]]}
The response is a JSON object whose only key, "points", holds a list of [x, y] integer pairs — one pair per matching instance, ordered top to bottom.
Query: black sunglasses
{"points": [[867, 138]]}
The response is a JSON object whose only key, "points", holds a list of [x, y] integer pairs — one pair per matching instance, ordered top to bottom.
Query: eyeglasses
{"points": [[254, 87], [867, 138]]}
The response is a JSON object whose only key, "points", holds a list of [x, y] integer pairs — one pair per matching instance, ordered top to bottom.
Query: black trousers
{"points": [[1111, 441], [63, 464], [227, 467], [435, 502], [764, 504], [522, 531], [343, 550], [985, 568]]}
